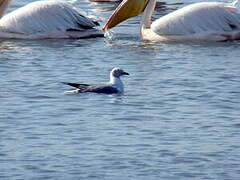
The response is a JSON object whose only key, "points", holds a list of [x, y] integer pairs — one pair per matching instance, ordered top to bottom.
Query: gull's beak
{"points": [[126, 10], [125, 73]]}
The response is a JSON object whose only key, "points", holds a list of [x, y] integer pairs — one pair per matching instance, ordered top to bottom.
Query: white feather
{"points": [[198, 18], [46, 19], [208, 21], [116, 82]]}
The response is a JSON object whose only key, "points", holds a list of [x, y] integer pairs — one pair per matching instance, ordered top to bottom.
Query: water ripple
{"points": [[178, 117]]}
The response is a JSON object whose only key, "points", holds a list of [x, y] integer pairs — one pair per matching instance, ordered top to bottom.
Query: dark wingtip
{"points": [[69, 84]]}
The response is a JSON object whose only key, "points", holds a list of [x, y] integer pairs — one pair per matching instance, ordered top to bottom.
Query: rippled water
{"points": [[178, 118]]}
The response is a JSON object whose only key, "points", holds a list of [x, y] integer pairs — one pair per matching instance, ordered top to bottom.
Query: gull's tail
{"points": [[80, 87]]}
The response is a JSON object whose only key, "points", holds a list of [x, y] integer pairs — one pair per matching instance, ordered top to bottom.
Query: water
{"points": [[178, 118]]}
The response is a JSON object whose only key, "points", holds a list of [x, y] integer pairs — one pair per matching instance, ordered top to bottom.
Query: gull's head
{"points": [[125, 10], [117, 72]]}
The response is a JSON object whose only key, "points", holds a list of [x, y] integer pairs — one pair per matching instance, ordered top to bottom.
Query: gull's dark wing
{"points": [[77, 85], [106, 89]]}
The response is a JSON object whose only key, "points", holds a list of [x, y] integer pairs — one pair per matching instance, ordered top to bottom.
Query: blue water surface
{"points": [[179, 117]]}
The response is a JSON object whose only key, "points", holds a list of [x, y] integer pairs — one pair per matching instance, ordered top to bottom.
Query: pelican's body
{"points": [[45, 19], [209, 21]]}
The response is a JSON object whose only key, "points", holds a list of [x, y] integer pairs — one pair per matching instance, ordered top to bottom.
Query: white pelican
{"points": [[45, 19], [206, 21]]}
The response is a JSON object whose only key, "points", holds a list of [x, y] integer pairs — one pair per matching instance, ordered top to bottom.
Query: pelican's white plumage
{"points": [[47, 19], [207, 21], [214, 21]]}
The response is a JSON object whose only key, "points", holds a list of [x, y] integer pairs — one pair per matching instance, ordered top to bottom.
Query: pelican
{"points": [[45, 19], [205, 21]]}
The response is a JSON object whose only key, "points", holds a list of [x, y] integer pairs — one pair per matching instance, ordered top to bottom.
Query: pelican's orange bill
{"points": [[125, 10]]}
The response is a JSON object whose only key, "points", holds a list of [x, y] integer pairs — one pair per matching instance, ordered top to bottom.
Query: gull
{"points": [[114, 86]]}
